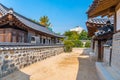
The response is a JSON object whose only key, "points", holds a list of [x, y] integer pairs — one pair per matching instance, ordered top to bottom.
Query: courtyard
{"points": [[76, 65]]}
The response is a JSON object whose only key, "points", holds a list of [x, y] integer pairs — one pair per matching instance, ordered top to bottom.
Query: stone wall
{"points": [[116, 51], [14, 58]]}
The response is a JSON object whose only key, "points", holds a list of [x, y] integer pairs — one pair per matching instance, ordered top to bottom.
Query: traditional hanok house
{"points": [[109, 8], [93, 26], [17, 28], [23, 42]]}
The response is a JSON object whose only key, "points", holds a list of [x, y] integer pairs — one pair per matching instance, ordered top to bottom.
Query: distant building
{"points": [[77, 29]]}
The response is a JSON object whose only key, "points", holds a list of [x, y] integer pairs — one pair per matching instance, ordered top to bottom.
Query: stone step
{"points": [[102, 72], [106, 72], [115, 74]]}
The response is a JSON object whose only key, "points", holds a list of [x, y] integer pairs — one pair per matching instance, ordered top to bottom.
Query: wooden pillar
{"points": [[4, 35], [11, 37], [17, 37], [25, 37], [42, 40], [47, 40], [56, 40], [50, 41], [93, 45], [102, 49], [99, 50], [110, 59]]}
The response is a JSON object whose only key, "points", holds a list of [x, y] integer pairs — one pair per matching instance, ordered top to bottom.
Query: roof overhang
{"points": [[102, 8], [11, 20], [23, 22], [94, 23], [91, 29], [104, 37]]}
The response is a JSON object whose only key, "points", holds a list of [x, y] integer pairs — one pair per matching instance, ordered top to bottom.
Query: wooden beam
{"points": [[102, 7], [117, 7], [115, 18]]}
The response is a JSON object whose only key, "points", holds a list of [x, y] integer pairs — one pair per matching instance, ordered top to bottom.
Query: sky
{"points": [[63, 14]]}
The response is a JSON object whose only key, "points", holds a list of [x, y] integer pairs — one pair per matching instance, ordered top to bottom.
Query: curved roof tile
{"points": [[4, 10]]}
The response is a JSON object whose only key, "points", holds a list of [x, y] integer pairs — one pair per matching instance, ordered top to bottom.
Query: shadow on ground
{"points": [[87, 70], [17, 75]]}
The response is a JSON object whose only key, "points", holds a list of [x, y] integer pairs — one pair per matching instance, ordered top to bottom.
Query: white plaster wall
{"points": [[118, 20], [96, 48], [116, 51], [106, 57]]}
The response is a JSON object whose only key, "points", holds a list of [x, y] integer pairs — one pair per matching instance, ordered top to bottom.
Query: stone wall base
{"points": [[14, 58], [106, 72]]}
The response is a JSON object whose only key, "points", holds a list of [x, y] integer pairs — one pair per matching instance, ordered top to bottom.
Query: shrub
{"points": [[78, 43], [87, 44], [68, 45]]}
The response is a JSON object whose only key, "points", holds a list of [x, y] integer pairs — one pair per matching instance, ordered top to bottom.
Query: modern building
{"points": [[77, 29]]}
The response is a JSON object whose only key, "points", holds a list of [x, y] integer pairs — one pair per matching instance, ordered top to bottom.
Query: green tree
{"points": [[44, 20], [35, 21], [72, 35], [84, 35], [77, 43], [88, 44], [68, 45]]}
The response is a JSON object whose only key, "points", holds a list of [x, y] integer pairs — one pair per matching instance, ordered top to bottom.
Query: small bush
{"points": [[77, 43], [87, 44], [68, 45]]}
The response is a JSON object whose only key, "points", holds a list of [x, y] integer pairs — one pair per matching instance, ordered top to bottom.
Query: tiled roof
{"points": [[92, 6], [4, 10], [100, 20]]}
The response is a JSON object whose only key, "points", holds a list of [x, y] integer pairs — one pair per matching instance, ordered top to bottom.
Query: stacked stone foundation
{"points": [[15, 58]]}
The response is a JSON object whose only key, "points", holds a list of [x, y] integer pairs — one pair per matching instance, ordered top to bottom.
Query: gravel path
{"points": [[66, 66]]}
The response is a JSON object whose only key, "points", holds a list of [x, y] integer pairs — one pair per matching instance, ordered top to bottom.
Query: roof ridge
{"points": [[6, 8], [27, 19], [100, 20]]}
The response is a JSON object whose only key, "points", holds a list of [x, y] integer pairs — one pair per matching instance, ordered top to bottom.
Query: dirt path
{"points": [[66, 66], [73, 66], [61, 67]]}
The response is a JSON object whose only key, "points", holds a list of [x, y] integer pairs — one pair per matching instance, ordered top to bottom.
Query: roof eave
{"points": [[103, 7]]}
